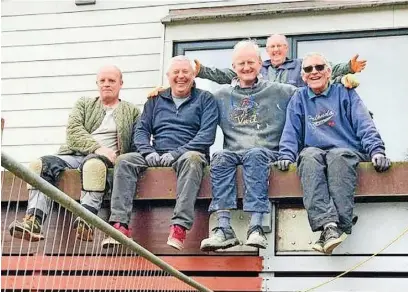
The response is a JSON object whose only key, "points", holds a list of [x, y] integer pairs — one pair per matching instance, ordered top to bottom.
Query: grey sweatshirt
{"points": [[253, 117]]}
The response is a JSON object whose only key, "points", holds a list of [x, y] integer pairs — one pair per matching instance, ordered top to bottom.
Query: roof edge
{"points": [[212, 13]]}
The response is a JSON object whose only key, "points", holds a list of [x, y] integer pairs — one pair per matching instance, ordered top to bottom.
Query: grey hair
{"points": [[278, 35], [247, 43], [314, 54], [180, 58]]}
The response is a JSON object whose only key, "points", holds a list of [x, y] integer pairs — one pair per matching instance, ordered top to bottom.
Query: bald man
{"points": [[279, 68], [98, 130]]}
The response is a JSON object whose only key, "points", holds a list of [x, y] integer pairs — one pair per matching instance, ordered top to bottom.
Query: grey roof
{"points": [[211, 13]]}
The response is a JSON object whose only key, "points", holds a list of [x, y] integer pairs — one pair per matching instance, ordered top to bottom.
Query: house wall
{"points": [[51, 51]]}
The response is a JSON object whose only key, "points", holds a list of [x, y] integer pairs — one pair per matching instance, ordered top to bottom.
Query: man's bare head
{"points": [[277, 48], [180, 74], [109, 82]]}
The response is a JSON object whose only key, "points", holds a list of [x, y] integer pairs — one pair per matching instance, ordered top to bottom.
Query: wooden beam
{"points": [[160, 183], [134, 263], [114, 282]]}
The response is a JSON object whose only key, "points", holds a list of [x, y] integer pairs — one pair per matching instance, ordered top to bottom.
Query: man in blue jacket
{"points": [[279, 68], [181, 123], [332, 129]]}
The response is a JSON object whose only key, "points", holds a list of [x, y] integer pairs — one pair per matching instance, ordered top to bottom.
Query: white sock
{"points": [[334, 224]]}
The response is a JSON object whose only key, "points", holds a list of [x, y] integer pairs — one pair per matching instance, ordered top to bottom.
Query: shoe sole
{"points": [[26, 235], [110, 243], [175, 244], [227, 244], [257, 245], [331, 245], [318, 248]]}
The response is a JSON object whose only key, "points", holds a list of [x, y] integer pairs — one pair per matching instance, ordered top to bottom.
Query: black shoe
{"points": [[333, 236], [319, 244]]}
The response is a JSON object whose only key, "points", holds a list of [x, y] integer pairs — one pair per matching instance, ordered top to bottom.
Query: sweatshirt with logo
{"points": [[255, 116], [337, 118]]}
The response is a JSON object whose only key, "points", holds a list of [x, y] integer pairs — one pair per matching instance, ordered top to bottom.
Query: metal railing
{"points": [[68, 203]]}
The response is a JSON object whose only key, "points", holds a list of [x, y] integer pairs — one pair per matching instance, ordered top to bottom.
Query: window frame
{"points": [[296, 39], [179, 48]]}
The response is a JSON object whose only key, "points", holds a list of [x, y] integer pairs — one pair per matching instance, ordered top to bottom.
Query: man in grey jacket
{"points": [[252, 115]]}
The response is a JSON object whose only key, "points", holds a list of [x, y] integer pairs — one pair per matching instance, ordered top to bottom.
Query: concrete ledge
{"points": [[160, 183]]}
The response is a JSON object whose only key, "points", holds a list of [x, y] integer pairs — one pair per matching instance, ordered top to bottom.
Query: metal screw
{"points": [[293, 216], [241, 217], [310, 242], [293, 243]]}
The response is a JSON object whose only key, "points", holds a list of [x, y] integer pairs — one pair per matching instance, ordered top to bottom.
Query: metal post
{"points": [[64, 200]]}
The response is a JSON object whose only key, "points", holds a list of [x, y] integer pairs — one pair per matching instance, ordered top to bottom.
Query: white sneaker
{"points": [[256, 237], [221, 238]]}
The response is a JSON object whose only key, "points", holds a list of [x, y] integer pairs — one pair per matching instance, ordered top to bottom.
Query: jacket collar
{"points": [[288, 64], [235, 82], [325, 93]]}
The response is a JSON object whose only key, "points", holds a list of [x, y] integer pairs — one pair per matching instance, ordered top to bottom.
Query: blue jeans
{"points": [[256, 169], [329, 179]]}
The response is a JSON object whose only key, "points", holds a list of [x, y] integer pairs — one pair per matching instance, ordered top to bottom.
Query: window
{"points": [[384, 86]]}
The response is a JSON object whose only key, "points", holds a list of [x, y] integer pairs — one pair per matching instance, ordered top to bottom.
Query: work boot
{"points": [[29, 228], [84, 231], [256, 237], [221, 238]]}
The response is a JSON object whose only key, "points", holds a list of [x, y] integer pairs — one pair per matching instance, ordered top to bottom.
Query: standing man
{"points": [[279, 68], [252, 116], [181, 123], [332, 129], [98, 130]]}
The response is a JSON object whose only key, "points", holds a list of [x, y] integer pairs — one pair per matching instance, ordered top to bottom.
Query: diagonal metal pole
{"points": [[58, 196]]}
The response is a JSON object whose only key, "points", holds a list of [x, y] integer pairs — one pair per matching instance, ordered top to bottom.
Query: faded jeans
{"points": [[189, 169], [256, 169], [329, 180], [39, 204]]}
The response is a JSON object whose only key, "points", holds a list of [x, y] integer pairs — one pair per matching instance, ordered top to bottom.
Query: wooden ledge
{"points": [[160, 183]]}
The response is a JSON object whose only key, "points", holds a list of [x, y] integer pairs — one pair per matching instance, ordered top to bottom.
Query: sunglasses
{"points": [[309, 69]]}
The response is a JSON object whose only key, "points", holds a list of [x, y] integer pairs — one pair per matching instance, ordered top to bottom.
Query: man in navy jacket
{"points": [[176, 129], [332, 130]]}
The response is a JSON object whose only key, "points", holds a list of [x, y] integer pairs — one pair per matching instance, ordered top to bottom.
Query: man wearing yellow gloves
{"points": [[280, 68]]}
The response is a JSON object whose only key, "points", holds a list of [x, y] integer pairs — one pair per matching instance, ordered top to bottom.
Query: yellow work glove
{"points": [[356, 65], [197, 67], [350, 81], [155, 92]]}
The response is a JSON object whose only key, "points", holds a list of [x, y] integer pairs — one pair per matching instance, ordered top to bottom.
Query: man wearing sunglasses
{"points": [[279, 68], [328, 130]]}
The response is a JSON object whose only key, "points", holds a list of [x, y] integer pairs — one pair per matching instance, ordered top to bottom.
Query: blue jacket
{"points": [[288, 72], [335, 119], [191, 127]]}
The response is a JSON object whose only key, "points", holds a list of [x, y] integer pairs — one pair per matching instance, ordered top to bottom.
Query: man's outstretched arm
{"points": [[220, 76]]}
